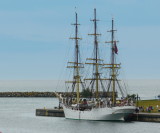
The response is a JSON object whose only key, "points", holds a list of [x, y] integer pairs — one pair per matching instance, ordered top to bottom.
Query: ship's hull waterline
{"points": [[100, 114]]}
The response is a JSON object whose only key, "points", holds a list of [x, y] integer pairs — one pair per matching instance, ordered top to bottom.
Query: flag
{"points": [[115, 48]]}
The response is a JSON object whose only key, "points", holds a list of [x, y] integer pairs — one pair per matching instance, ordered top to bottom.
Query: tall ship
{"points": [[96, 97]]}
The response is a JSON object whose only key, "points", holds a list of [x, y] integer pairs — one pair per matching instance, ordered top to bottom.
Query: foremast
{"points": [[76, 65]]}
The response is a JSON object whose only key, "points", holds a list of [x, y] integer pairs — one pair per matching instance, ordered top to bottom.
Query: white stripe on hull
{"points": [[114, 113]]}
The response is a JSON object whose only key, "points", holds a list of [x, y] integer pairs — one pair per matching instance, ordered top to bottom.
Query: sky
{"points": [[34, 36]]}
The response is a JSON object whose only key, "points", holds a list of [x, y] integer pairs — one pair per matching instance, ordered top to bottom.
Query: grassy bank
{"points": [[146, 103]]}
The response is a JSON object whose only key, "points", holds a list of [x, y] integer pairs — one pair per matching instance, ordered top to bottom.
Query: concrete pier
{"points": [[50, 112], [145, 117]]}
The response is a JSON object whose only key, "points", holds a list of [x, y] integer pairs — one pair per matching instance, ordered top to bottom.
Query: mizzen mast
{"points": [[113, 62], [113, 66]]}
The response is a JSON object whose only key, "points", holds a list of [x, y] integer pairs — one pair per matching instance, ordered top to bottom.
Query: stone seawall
{"points": [[27, 94], [36, 94]]}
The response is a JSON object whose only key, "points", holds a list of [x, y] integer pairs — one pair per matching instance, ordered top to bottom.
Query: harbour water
{"points": [[17, 115]]}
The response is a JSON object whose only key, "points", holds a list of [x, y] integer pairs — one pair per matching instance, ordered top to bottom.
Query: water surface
{"points": [[17, 115]]}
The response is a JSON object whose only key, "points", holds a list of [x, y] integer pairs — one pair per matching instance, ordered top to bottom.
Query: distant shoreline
{"points": [[27, 94], [33, 94]]}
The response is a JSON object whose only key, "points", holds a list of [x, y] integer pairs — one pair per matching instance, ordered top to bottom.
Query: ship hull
{"points": [[100, 114]]}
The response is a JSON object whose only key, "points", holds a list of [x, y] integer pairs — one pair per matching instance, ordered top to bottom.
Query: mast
{"points": [[96, 52], [77, 59], [95, 59], [113, 62], [76, 64], [113, 66]]}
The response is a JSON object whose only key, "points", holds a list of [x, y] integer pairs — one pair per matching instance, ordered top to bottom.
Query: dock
{"points": [[50, 112], [143, 117]]}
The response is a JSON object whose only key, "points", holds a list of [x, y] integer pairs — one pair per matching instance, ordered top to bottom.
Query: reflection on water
{"points": [[17, 115]]}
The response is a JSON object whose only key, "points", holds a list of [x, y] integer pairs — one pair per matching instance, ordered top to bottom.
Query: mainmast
{"points": [[96, 52], [95, 59], [76, 64]]}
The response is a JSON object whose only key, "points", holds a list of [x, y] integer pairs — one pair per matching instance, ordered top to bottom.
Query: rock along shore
{"points": [[27, 94], [33, 94]]}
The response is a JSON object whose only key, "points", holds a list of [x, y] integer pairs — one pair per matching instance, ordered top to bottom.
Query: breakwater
{"points": [[27, 94], [35, 94]]}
